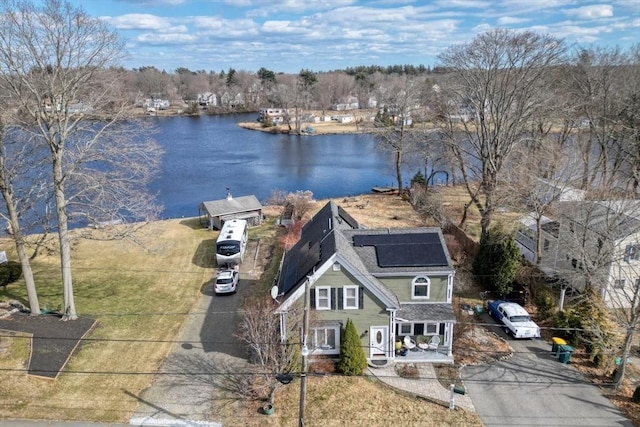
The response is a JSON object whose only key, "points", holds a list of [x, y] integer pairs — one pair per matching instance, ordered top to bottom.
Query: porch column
{"points": [[283, 326], [391, 347]]}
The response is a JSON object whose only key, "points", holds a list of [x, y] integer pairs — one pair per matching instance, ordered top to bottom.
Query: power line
{"points": [[554, 380]]}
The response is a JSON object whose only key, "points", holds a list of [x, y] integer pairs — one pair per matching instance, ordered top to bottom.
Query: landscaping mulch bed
{"points": [[53, 341]]}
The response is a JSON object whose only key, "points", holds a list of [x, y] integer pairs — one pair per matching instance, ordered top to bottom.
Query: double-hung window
{"points": [[350, 297], [323, 298], [405, 329], [325, 340]]}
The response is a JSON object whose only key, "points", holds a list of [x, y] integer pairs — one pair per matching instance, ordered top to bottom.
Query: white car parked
{"points": [[226, 281], [514, 318]]}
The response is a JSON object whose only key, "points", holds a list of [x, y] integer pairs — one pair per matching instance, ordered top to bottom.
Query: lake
{"points": [[205, 155]]}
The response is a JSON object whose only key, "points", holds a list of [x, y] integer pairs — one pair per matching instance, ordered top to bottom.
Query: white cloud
{"points": [[154, 2], [464, 4], [591, 12], [511, 20], [139, 21], [281, 27], [482, 28], [164, 39]]}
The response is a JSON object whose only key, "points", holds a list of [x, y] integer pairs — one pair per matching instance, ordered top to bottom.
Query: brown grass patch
{"points": [[376, 210], [140, 294], [351, 401]]}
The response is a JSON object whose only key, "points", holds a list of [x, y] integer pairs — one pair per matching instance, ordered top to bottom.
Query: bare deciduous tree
{"points": [[58, 65], [603, 86], [332, 87], [494, 90], [394, 133], [20, 190], [301, 202], [260, 330]]}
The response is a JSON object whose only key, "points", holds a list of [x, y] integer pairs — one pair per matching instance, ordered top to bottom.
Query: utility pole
{"points": [[304, 352]]}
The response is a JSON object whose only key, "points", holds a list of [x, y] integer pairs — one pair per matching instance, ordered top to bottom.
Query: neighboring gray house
{"points": [[213, 214], [590, 240], [396, 286]]}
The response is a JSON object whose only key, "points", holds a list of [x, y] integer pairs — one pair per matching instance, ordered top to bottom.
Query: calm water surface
{"points": [[205, 155]]}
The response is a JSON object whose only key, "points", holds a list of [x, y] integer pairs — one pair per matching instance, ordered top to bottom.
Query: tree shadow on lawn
{"points": [[52, 341]]}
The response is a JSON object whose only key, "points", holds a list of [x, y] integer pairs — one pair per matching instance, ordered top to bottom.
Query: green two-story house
{"points": [[395, 285]]}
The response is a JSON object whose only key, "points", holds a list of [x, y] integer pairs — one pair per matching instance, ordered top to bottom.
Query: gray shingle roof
{"points": [[231, 206], [331, 232], [316, 245], [440, 312]]}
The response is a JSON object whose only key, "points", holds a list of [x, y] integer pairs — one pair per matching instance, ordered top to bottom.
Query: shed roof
{"points": [[231, 205]]}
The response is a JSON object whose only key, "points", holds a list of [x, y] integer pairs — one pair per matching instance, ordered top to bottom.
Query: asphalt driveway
{"points": [[188, 387], [532, 388]]}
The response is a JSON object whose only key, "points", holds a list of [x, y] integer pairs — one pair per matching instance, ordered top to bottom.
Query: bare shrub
{"points": [[276, 198], [302, 202], [428, 204], [293, 234], [456, 250], [322, 365], [408, 371]]}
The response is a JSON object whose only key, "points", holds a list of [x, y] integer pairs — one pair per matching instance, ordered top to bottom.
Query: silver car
{"points": [[226, 281]]}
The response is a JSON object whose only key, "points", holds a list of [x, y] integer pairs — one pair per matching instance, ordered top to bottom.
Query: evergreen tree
{"points": [[419, 178], [497, 261], [352, 358]]}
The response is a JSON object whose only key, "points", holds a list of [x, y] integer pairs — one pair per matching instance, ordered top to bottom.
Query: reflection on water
{"points": [[205, 155]]}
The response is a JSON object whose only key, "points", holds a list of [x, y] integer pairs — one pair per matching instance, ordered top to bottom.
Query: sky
{"points": [[291, 35]]}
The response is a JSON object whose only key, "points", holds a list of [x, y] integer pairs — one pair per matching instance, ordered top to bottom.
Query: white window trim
{"points": [[336, 267], [413, 287], [344, 297], [319, 298], [426, 327], [401, 333], [320, 350]]}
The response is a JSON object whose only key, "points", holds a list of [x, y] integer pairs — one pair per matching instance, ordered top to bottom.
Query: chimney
{"points": [[229, 194]]}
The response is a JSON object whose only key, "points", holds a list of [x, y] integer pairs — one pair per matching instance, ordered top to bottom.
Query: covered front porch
{"points": [[424, 333], [427, 356]]}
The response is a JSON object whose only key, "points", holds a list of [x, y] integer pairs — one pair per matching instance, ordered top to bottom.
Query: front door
{"points": [[378, 341]]}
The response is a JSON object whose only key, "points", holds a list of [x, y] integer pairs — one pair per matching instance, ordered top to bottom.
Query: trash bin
{"points": [[478, 309], [555, 342], [564, 353], [459, 390]]}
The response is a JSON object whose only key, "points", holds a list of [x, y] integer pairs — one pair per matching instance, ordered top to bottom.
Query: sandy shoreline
{"points": [[318, 128]]}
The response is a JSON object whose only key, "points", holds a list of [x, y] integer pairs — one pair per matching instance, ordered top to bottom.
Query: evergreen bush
{"points": [[9, 272], [544, 302], [352, 358]]}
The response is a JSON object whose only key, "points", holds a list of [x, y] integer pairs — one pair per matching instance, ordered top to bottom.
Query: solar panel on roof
{"points": [[386, 239], [405, 250], [411, 255]]}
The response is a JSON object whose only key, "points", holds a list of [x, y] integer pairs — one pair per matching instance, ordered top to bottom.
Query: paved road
{"points": [[211, 351], [532, 388]]}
